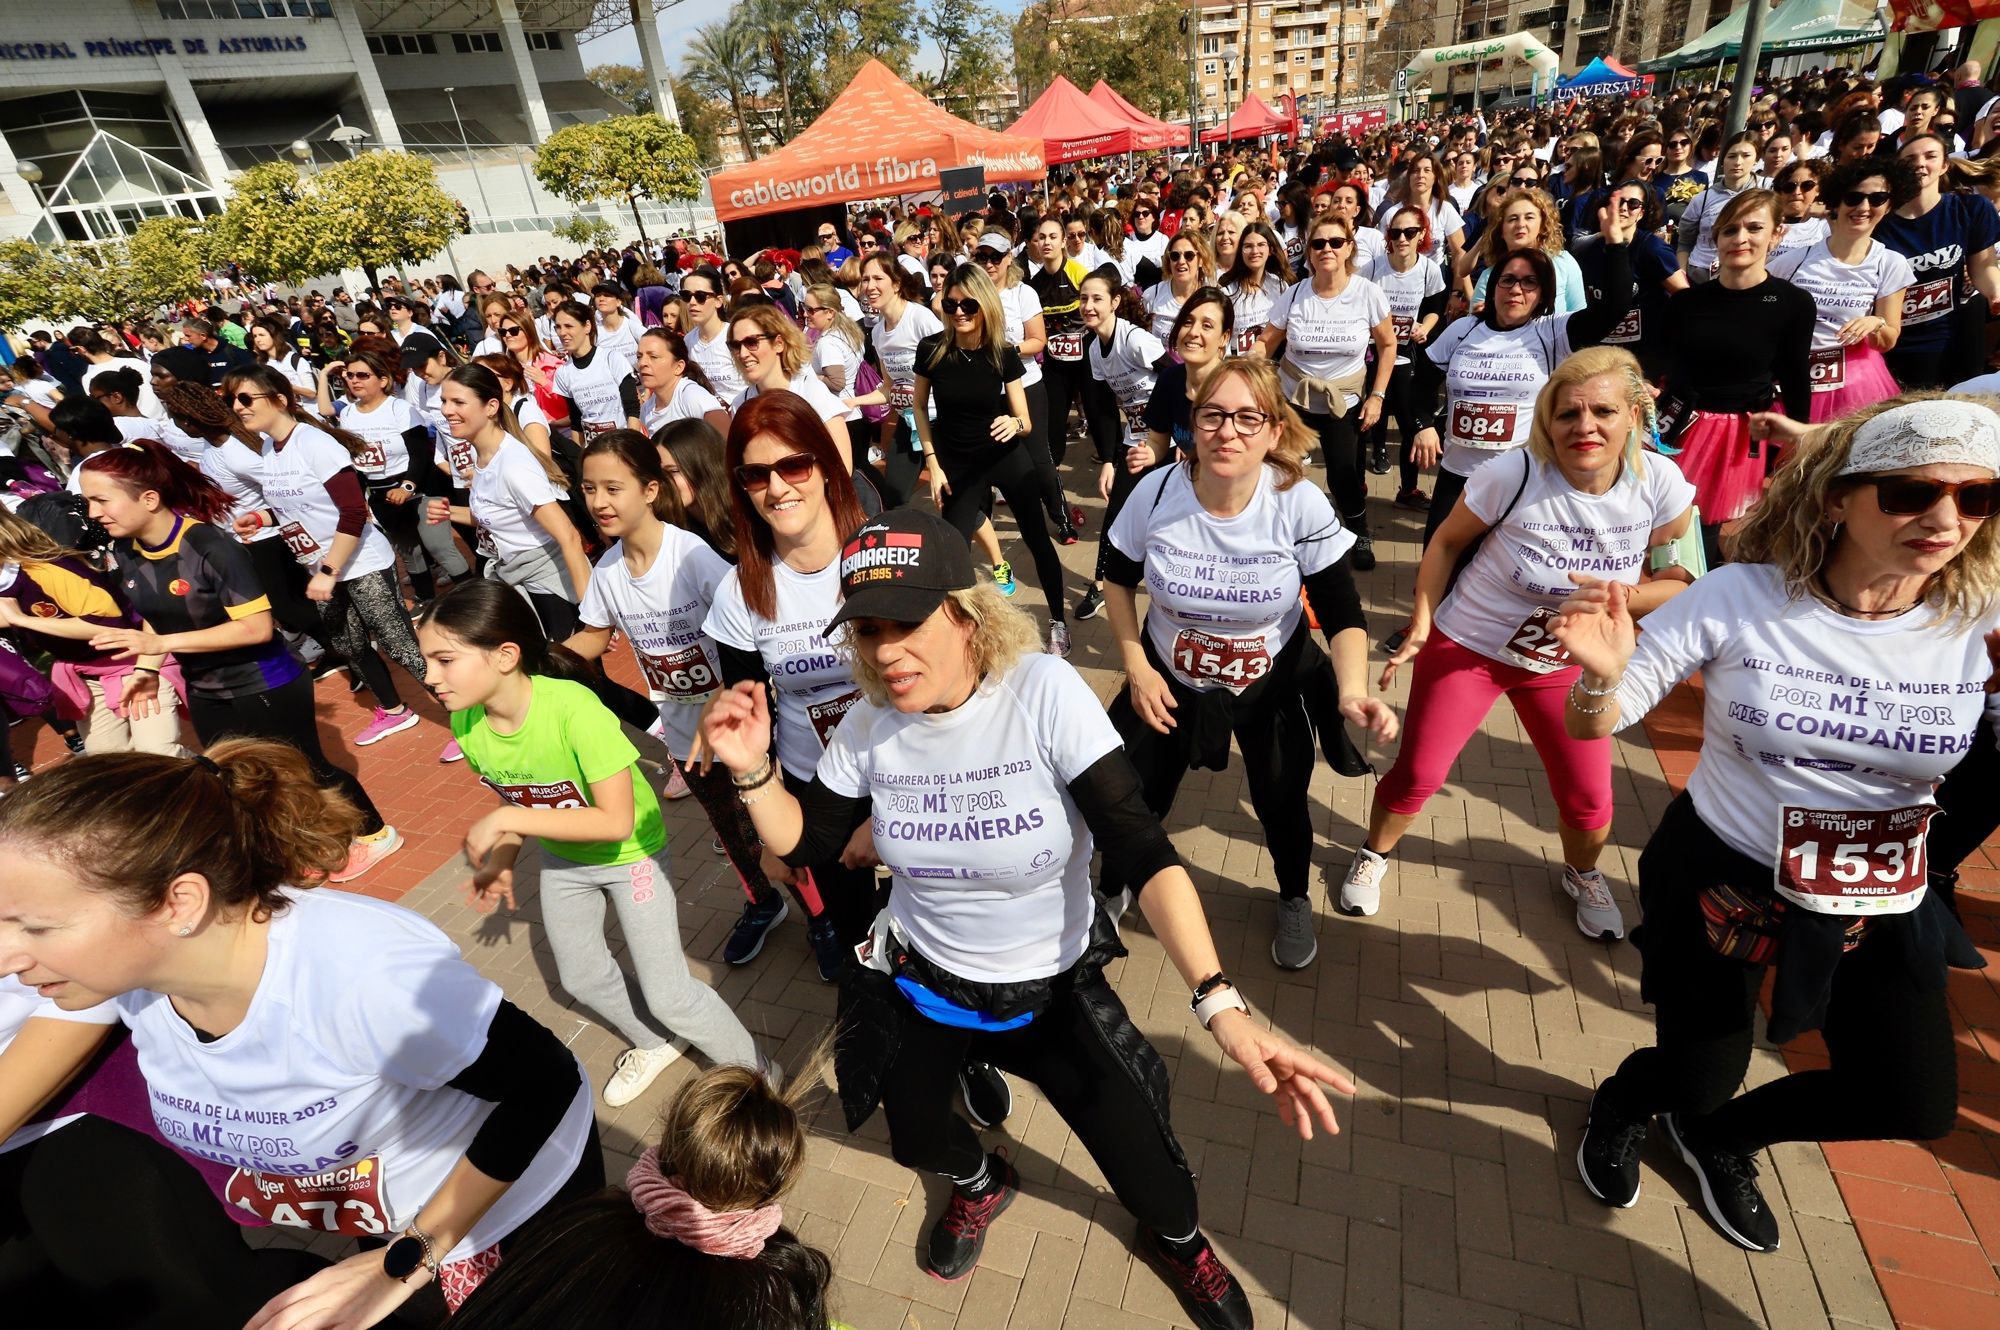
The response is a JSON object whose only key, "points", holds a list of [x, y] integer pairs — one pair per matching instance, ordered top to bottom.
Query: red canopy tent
{"points": [[1252, 120], [1071, 126], [1148, 133], [879, 138]]}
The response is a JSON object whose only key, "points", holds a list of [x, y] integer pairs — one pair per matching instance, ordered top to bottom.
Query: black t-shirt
{"points": [[223, 359], [967, 392], [1168, 410], [202, 578]]}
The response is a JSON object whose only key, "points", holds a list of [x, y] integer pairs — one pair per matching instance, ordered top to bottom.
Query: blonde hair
{"points": [[1494, 246], [973, 283], [828, 298], [793, 355], [1590, 363], [1260, 376], [1789, 528], [21, 541], [1002, 633], [735, 1141]]}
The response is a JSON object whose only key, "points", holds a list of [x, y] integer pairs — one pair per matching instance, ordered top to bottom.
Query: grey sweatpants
{"points": [[642, 894]]}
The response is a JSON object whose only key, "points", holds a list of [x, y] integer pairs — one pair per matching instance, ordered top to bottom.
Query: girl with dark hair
{"points": [[1421, 185], [1797, 186], [1694, 234], [1949, 239], [1656, 273], [1254, 282], [902, 321], [708, 332], [1199, 338], [271, 343], [1066, 379], [597, 384], [675, 388], [82, 426], [692, 456], [396, 465], [314, 498], [199, 598], [535, 733], [421, 1108], [696, 1235]]}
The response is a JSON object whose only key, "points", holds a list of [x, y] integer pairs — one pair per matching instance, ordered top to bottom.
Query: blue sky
{"points": [[622, 47]]}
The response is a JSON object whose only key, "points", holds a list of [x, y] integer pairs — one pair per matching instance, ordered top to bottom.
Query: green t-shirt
{"points": [[231, 332], [568, 742]]}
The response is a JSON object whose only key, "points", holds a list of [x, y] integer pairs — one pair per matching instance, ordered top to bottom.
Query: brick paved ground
{"points": [[1473, 1015]]}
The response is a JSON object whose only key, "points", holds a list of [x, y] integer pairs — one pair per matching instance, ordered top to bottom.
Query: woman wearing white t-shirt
{"points": [[1421, 185], [1797, 188], [1694, 234], [1189, 267], [1254, 282], [1857, 285], [1415, 287], [902, 320], [1327, 325], [708, 331], [271, 342], [838, 353], [772, 356], [1125, 359], [597, 382], [674, 387], [397, 465], [1582, 496], [315, 500], [515, 503], [1224, 543], [1846, 657], [335, 1052]]}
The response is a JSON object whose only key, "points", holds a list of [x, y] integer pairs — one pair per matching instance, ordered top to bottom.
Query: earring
{"points": [[184, 930]]}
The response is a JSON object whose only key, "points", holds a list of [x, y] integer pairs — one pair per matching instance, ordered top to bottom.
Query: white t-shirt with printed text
{"points": [[1327, 337], [294, 480], [661, 612], [815, 684]]}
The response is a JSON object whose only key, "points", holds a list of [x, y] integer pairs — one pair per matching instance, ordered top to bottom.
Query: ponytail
{"points": [[148, 464], [489, 614]]}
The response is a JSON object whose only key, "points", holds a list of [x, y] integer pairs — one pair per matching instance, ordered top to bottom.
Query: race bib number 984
{"points": [[1482, 424], [1834, 861]]}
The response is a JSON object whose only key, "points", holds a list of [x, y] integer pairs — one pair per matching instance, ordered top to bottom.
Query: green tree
{"points": [[774, 25], [968, 38], [1137, 46], [722, 65], [628, 83], [627, 157], [385, 209], [277, 226], [586, 232], [167, 256], [28, 278], [99, 281]]}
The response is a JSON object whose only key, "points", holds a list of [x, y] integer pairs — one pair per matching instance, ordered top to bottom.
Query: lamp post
{"points": [[1194, 92], [465, 147]]}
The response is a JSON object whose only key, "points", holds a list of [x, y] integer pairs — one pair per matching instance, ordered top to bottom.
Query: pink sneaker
{"points": [[385, 724], [452, 753], [677, 787], [365, 854]]}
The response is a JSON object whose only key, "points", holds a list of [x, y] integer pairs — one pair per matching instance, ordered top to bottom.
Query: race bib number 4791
{"points": [[1844, 861]]}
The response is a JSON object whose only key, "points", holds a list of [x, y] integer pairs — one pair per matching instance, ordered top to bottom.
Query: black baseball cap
{"points": [[418, 349], [899, 566]]}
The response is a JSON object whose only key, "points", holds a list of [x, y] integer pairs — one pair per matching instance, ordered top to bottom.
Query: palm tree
{"points": [[773, 26], [722, 61]]}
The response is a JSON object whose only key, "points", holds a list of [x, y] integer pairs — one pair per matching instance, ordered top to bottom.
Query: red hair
{"points": [[786, 416], [148, 464]]}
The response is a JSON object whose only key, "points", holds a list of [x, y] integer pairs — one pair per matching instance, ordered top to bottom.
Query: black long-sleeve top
{"points": [[1727, 349]]}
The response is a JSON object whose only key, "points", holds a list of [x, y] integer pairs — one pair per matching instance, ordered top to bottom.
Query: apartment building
{"points": [[1314, 50]]}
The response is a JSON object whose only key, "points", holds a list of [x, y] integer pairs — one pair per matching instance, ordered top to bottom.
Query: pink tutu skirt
{"points": [[1864, 379], [1715, 457]]}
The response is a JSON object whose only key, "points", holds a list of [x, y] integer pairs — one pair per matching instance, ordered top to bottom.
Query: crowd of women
{"points": [[1709, 408]]}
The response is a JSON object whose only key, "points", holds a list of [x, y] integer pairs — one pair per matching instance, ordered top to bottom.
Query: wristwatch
{"points": [[329, 570], [1214, 995], [402, 1257]]}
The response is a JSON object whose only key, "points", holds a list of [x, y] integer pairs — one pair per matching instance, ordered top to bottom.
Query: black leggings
{"points": [[1063, 384], [1401, 403], [1036, 441], [1340, 441], [902, 462], [1007, 469], [1123, 482], [1444, 497], [399, 522], [284, 581], [367, 611], [284, 713], [1278, 757], [1967, 812], [740, 843], [847, 896], [1064, 1057], [1893, 1072], [169, 1258]]}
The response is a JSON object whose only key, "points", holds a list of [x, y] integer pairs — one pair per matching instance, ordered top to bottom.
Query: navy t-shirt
{"points": [[1937, 245], [1653, 262]]}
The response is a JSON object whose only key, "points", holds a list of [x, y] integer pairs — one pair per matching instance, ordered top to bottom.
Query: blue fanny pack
{"points": [[935, 1007]]}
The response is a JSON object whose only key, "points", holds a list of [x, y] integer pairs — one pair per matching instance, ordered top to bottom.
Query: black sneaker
{"points": [[1378, 458], [1413, 500], [1067, 534], [1364, 553], [1091, 605], [327, 666], [72, 741], [756, 921], [826, 949], [985, 1092], [1608, 1155], [1728, 1190], [960, 1232], [1209, 1293]]}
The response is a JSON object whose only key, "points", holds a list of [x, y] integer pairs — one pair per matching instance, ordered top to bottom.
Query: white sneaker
{"points": [[1059, 640], [1361, 892], [1597, 915], [638, 1068]]}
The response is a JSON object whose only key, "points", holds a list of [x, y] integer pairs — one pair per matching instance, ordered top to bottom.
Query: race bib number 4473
{"points": [[1841, 861], [346, 1200]]}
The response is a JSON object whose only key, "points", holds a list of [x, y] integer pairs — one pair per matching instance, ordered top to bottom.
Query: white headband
{"points": [[1922, 433]]}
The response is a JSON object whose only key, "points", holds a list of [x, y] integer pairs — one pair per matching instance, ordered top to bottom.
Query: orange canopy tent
{"points": [[1252, 120], [1071, 126], [1148, 133], [879, 138]]}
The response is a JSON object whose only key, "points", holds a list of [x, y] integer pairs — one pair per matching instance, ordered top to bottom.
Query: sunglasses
{"points": [[1765, 124], [1680, 143], [1651, 161], [1525, 181], [1802, 186], [1874, 198], [1629, 204], [1142, 212], [1404, 232], [1076, 235], [828, 236], [1329, 242], [985, 255], [1182, 256], [700, 297], [967, 308], [510, 330], [753, 341], [245, 399], [793, 470], [1912, 496]]}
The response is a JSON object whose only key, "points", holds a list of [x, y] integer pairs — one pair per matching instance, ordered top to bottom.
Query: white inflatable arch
{"points": [[1521, 46]]}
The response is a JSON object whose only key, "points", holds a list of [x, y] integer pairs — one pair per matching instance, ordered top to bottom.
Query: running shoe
{"points": [[1378, 457], [1413, 500], [1076, 517], [1067, 534], [1364, 553], [1003, 577], [1092, 604], [1059, 640], [327, 666], [355, 683], [384, 724], [72, 741], [452, 752], [21, 771], [677, 786], [715, 845], [366, 852], [1361, 891], [1597, 915], [757, 920], [1294, 946], [827, 952], [638, 1068], [988, 1100], [1608, 1154], [1729, 1189], [960, 1232], [1208, 1292]]}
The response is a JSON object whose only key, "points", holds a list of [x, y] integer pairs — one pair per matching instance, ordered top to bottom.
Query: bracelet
{"points": [[1378, 393], [145, 669], [1588, 691], [1583, 710], [760, 776], [757, 795]]}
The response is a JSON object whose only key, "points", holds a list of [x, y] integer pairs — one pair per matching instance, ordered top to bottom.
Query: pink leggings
{"points": [[1451, 692]]}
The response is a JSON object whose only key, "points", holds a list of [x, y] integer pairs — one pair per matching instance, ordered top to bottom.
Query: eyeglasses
{"points": [[1651, 161], [1802, 185], [1874, 198], [1404, 232], [1329, 242], [1519, 281], [699, 297], [966, 308], [510, 330], [753, 341], [356, 376], [245, 399], [1247, 421], [793, 469], [1911, 496]]}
